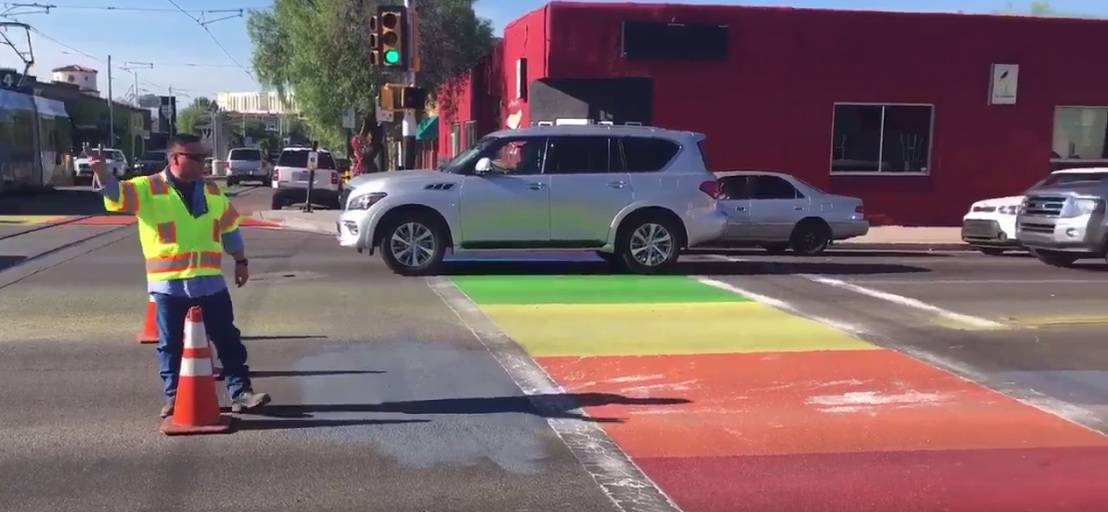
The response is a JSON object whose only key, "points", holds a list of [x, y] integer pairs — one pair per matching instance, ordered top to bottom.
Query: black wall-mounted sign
{"points": [[675, 41]]}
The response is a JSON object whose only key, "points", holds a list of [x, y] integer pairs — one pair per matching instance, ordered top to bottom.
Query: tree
{"points": [[320, 50], [188, 118]]}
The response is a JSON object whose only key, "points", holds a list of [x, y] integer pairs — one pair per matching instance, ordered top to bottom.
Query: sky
{"points": [[190, 60]]}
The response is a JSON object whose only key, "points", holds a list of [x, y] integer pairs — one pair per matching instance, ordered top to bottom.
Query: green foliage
{"points": [[320, 50], [188, 118]]}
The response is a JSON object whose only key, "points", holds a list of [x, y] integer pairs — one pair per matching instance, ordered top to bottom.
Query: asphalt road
{"points": [[384, 398]]}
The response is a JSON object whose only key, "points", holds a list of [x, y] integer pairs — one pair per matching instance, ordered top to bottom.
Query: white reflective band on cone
{"points": [[195, 337], [192, 367]]}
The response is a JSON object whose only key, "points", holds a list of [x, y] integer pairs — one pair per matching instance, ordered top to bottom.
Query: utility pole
{"points": [[111, 108], [409, 125]]}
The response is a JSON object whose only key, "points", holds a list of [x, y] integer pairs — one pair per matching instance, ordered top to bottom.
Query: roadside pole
{"points": [[111, 108], [408, 127]]}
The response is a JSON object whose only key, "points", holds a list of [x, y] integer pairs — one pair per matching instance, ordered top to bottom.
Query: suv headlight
{"points": [[364, 201], [1086, 206], [1009, 210]]}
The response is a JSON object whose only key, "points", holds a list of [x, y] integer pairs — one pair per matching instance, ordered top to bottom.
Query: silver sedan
{"points": [[780, 212]]}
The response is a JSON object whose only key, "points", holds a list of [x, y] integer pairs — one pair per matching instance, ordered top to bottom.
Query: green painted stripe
{"points": [[599, 289]]}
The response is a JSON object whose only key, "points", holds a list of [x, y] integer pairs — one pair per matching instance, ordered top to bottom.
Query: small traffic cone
{"points": [[149, 332], [196, 409]]}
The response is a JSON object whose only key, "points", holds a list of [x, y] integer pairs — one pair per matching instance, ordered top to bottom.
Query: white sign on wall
{"points": [[1004, 85]]}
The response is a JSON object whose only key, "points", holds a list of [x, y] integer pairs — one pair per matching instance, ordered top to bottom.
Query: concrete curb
{"points": [[319, 226], [903, 246]]}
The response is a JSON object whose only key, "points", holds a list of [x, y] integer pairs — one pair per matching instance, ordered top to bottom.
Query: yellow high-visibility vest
{"points": [[176, 245]]}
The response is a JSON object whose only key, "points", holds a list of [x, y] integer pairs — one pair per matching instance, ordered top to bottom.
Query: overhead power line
{"points": [[51, 6], [215, 39]]}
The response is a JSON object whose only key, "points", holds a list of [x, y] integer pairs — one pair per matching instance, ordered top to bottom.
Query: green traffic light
{"points": [[392, 57]]}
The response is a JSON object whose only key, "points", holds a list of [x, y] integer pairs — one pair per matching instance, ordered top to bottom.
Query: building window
{"points": [[674, 41], [70, 78], [1080, 133], [470, 134], [882, 138], [455, 139]]}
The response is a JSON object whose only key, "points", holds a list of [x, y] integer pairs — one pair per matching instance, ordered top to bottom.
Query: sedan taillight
{"points": [[860, 209]]}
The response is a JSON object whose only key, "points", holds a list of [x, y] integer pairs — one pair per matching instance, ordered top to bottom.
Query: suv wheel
{"points": [[810, 238], [413, 244], [649, 244], [1055, 259]]}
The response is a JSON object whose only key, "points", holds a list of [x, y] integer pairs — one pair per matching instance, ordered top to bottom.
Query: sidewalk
{"points": [[319, 221], [879, 238], [908, 238]]}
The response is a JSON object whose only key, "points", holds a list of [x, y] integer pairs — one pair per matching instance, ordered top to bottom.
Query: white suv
{"points": [[290, 178], [634, 195]]}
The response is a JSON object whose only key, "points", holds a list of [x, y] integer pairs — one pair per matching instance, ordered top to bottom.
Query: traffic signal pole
{"points": [[408, 128]]}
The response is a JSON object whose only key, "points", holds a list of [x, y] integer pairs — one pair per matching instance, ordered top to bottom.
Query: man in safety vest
{"points": [[185, 224]]}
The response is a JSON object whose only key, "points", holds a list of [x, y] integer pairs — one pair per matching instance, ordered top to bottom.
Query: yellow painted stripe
{"points": [[30, 219], [1059, 321], [658, 329]]}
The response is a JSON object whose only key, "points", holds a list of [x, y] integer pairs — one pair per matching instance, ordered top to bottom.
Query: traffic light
{"points": [[390, 46], [402, 97]]}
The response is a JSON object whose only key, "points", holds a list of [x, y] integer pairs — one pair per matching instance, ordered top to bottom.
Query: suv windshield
{"points": [[154, 155], [250, 155], [300, 159]]}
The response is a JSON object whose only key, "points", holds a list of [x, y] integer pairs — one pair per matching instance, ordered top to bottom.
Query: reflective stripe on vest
{"points": [[158, 185], [130, 197], [229, 218], [216, 232], [167, 233], [184, 262]]}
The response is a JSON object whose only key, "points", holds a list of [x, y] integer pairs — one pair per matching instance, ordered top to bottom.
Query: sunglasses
{"points": [[195, 157]]}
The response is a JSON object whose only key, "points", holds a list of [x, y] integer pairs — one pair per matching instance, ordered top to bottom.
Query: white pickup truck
{"points": [[116, 162]]}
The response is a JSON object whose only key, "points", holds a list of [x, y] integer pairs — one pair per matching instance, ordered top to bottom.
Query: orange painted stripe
{"points": [[197, 353], [802, 402]]}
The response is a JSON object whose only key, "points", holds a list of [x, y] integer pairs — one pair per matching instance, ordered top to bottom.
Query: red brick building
{"points": [[918, 114]]}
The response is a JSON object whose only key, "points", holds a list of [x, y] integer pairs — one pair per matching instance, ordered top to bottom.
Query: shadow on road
{"points": [[54, 202], [830, 253], [10, 261], [720, 268], [289, 337], [311, 373], [559, 405], [294, 424]]}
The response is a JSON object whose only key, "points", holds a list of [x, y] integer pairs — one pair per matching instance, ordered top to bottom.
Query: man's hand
{"points": [[96, 162], [242, 274]]}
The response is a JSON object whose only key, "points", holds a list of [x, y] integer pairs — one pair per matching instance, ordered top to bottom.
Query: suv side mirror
{"points": [[484, 166]]}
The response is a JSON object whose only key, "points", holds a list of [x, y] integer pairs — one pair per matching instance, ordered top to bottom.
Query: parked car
{"points": [[114, 160], [151, 162], [247, 164], [290, 179], [634, 195], [779, 212], [1063, 219], [990, 224]]}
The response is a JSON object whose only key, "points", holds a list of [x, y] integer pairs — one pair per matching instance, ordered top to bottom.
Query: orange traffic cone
{"points": [[149, 332], [196, 409]]}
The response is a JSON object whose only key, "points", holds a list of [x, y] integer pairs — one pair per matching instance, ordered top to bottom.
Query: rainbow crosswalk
{"points": [[782, 412]]}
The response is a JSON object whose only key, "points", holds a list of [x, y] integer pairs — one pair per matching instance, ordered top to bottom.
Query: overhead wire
{"points": [[214, 39]]}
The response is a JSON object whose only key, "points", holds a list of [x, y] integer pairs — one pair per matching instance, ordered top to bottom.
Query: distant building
{"points": [[84, 78], [266, 102]]}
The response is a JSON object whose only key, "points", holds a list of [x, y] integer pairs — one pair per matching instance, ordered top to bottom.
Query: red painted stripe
{"points": [[106, 220], [808, 402], [1042, 479]]}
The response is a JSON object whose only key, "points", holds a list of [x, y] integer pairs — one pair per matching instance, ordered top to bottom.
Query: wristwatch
{"points": [[244, 262]]}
